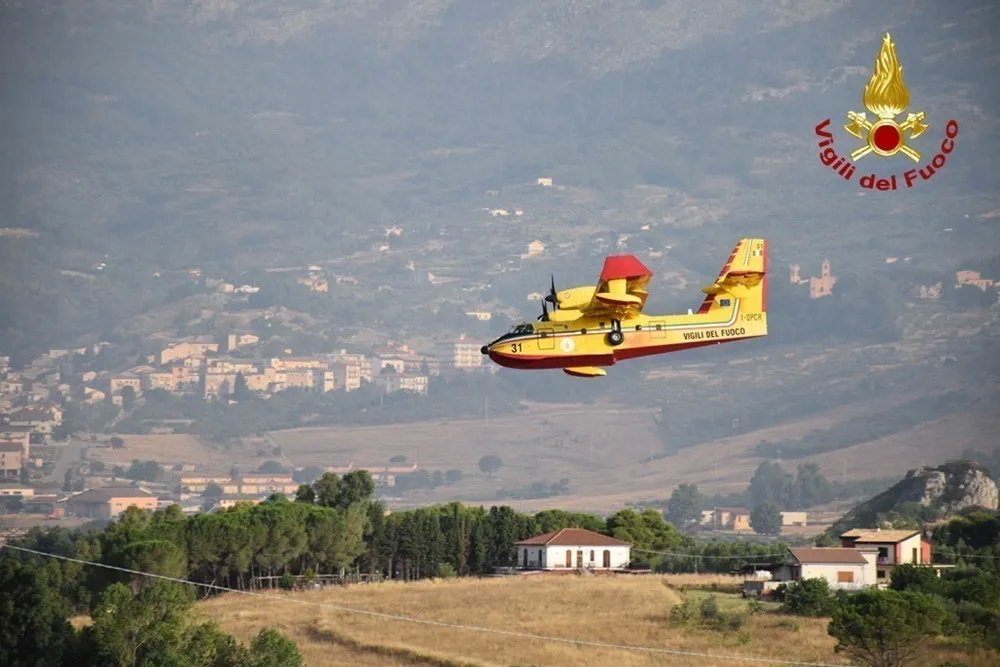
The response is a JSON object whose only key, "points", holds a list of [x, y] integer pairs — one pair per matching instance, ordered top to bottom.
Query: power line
{"points": [[678, 554], [425, 621]]}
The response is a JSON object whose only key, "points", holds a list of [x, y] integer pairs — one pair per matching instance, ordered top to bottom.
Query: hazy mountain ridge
{"points": [[244, 135]]}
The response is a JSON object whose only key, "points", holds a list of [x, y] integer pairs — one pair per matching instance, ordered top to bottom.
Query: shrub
{"points": [[445, 571], [287, 581], [754, 606], [709, 610], [683, 613], [731, 622], [787, 623], [743, 638]]}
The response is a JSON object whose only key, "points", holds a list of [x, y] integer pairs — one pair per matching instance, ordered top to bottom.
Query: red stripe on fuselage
{"points": [[536, 361]]}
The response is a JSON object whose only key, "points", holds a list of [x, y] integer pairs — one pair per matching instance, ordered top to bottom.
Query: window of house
{"points": [[591, 555], [916, 555], [880, 574], [845, 577]]}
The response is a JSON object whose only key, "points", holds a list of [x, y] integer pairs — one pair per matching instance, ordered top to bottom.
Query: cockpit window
{"points": [[523, 329]]}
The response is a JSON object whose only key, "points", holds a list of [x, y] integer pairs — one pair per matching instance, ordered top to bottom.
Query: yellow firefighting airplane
{"points": [[596, 326]]}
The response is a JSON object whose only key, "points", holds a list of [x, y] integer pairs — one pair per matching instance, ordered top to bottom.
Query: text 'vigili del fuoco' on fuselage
{"points": [[594, 326]]}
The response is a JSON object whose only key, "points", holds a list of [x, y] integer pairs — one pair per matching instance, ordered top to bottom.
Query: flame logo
{"points": [[886, 95]]}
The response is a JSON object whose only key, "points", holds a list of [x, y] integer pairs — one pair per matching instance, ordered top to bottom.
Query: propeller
{"points": [[552, 296], [544, 317]]}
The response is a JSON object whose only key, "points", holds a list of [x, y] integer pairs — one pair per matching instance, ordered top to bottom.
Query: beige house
{"points": [[544, 181], [535, 248], [973, 278], [238, 340], [184, 350], [466, 353], [416, 384], [18, 435], [10, 459], [198, 483], [267, 484], [18, 490], [109, 502], [728, 518], [794, 518], [892, 547], [573, 549], [848, 569]]}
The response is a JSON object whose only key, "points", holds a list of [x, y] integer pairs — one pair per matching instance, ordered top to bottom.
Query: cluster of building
{"points": [[962, 278], [818, 286], [213, 370], [27, 418], [738, 519], [865, 559]]}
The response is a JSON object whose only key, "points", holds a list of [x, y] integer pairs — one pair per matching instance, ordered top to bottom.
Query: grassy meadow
{"points": [[630, 610]]}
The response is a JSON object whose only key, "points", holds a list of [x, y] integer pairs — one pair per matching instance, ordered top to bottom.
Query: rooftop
{"points": [[106, 493], [877, 535], [573, 537], [827, 555]]}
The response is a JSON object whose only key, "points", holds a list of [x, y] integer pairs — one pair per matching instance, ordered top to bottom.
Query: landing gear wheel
{"points": [[616, 337]]}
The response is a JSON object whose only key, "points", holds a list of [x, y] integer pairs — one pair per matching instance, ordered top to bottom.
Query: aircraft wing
{"points": [[621, 288]]}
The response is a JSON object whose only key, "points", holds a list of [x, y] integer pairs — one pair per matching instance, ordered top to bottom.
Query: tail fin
{"points": [[743, 277]]}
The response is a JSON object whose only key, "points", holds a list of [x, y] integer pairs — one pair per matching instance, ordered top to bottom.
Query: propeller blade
{"points": [[553, 296], [544, 317]]}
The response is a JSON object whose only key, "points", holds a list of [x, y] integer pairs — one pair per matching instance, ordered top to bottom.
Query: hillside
{"points": [[245, 136], [618, 609]]}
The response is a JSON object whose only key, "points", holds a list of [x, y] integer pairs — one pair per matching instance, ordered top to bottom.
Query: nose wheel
{"points": [[616, 337]]}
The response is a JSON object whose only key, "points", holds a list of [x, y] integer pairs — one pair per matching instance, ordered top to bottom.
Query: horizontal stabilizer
{"points": [[585, 371]]}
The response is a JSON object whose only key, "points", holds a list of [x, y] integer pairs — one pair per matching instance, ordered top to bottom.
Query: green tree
{"points": [[241, 392], [128, 398], [490, 464], [271, 468], [144, 471], [307, 475], [770, 484], [355, 486], [325, 489], [212, 490], [305, 494], [684, 507], [765, 519], [908, 577], [808, 597], [34, 617], [885, 628], [131, 630], [272, 649]]}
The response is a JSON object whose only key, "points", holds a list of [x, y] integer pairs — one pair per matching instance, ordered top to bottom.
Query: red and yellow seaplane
{"points": [[595, 326]]}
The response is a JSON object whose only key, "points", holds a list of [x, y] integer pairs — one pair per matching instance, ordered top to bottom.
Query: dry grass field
{"points": [[630, 610]]}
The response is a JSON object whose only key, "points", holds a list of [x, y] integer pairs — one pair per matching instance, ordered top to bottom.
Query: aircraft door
{"points": [[546, 341]]}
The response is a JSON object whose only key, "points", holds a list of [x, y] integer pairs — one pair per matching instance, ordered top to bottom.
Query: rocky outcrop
{"points": [[949, 488], [945, 489]]}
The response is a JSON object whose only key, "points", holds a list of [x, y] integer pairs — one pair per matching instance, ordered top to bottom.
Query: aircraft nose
{"points": [[485, 349]]}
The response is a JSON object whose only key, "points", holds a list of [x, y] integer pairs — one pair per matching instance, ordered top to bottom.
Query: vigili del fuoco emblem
{"points": [[886, 96]]}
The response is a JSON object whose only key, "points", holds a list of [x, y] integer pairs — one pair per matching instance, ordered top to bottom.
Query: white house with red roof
{"points": [[573, 549]]}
